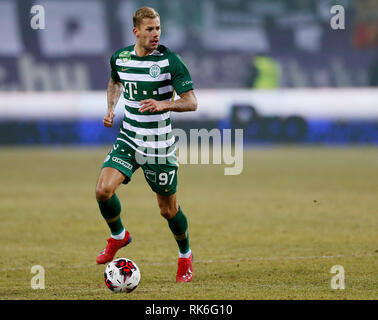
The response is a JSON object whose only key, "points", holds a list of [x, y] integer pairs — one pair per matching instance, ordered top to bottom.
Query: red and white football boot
{"points": [[112, 247], [184, 269]]}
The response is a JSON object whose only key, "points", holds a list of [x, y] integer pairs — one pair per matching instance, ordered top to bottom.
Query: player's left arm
{"points": [[187, 102]]}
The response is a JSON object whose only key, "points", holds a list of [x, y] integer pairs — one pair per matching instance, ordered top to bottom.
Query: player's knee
{"points": [[104, 193], [168, 212]]}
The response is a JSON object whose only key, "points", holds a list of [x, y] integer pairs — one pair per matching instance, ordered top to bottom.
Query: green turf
{"points": [[273, 232]]}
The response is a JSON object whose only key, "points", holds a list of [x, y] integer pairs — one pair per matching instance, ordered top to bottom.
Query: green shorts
{"points": [[162, 178]]}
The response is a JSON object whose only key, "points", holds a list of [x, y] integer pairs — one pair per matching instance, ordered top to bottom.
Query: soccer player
{"points": [[148, 74]]}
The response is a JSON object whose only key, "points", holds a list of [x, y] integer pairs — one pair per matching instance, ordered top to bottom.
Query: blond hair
{"points": [[144, 12]]}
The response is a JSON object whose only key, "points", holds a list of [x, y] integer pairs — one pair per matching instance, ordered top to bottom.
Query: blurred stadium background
{"points": [[273, 68], [276, 69]]}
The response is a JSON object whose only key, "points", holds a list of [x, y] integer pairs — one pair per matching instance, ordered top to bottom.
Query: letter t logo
{"points": [[129, 89]]}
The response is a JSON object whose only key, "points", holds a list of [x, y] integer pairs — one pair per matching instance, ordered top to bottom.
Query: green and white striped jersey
{"points": [[155, 76]]}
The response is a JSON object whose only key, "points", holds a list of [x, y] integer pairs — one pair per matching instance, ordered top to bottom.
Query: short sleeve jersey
{"points": [[155, 76]]}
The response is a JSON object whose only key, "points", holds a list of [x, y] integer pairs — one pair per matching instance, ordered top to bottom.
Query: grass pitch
{"points": [[273, 232]]}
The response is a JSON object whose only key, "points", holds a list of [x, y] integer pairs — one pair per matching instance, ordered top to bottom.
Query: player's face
{"points": [[148, 33]]}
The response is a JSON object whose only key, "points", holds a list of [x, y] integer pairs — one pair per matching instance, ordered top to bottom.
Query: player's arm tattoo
{"points": [[113, 93], [187, 102]]}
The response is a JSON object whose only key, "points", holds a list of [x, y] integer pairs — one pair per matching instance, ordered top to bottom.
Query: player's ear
{"points": [[135, 31]]}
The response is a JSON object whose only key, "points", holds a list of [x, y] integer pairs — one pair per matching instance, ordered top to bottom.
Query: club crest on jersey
{"points": [[125, 56], [154, 71]]}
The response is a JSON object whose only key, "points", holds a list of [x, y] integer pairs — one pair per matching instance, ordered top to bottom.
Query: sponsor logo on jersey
{"points": [[125, 56], [154, 71], [185, 83], [107, 158], [122, 163]]}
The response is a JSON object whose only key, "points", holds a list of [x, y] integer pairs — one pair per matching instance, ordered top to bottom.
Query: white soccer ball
{"points": [[122, 275]]}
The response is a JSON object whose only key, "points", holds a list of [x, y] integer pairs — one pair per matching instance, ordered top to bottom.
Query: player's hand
{"points": [[152, 105], [108, 119]]}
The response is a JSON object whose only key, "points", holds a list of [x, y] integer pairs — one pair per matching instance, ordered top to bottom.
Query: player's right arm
{"points": [[114, 91]]}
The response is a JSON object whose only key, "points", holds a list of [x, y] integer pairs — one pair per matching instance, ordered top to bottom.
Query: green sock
{"points": [[111, 211], [179, 227]]}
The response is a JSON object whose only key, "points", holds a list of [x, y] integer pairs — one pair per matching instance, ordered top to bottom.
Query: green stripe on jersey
{"points": [[147, 125]]}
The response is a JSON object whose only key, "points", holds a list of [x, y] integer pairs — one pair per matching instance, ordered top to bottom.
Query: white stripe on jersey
{"points": [[142, 64], [143, 77], [165, 89], [132, 104], [135, 104], [147, 118], [147, 132], [150, 144]]}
